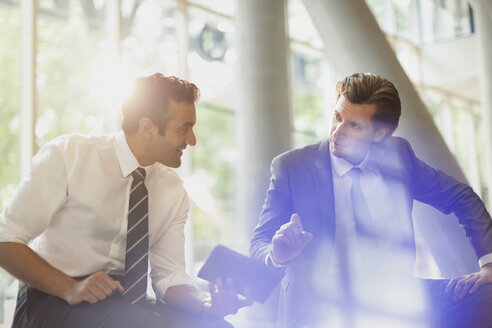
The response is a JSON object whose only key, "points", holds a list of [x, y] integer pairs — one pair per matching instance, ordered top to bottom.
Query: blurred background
{"points": [[267, 71]]}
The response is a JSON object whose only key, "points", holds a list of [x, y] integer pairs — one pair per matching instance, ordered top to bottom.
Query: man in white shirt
{"points": [[337, 217], [67, 235]]}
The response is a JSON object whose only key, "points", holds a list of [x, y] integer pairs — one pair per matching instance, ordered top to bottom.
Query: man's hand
{"points": [[290, 240], [470, 283], [93, 289], [224, 300]]}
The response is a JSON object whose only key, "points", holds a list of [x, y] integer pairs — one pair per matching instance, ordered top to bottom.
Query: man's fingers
{"points": [[296, 219], [283, 237], [290, 238], [306, 238], [113, 284], [451, 284], [477, 285], [463, 286], [107, 287], [119, 287], [457, 289], [98, 291], [213, 292], [89, 297]]}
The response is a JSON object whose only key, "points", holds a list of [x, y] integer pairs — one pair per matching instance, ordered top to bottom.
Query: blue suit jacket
{"points": [[301, 182]]}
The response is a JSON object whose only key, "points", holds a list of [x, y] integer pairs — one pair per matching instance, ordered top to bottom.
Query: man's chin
{"points": [[337, 152], [174, 164]]}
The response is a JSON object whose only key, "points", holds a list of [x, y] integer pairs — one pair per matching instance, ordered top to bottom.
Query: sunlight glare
{"points": [[110, 83]]}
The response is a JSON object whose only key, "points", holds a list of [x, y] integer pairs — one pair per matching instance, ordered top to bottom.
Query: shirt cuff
{"points": [[486, 259], [270, 261], [174, 279]]}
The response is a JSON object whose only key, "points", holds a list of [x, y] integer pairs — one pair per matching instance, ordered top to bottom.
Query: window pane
{"points": [[225, 7], [301, 27], [152, 46], [210, 64], [313, 82], [69, 97], [9, 102], [214, 161]]}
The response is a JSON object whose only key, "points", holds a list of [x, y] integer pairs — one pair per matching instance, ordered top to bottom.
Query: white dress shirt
{"points": [[376, 193], [379, 201], [72, 209]]}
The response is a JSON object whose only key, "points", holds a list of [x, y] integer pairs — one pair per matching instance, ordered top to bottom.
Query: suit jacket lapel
{"points": [[324, 189]]}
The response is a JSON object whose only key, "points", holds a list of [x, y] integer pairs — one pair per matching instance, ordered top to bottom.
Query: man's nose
{"points": [[339, 130], [191, 139]]}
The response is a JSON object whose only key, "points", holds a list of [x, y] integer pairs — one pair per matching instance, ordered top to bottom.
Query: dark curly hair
{"points": [[368, 88], [151, 97]]}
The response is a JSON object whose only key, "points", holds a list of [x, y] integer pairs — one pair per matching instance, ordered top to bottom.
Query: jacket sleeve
{"points": [[436, 188], [277, 210]]}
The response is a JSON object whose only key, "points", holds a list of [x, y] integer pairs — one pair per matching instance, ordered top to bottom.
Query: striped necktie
{"points": [[137, 241]]}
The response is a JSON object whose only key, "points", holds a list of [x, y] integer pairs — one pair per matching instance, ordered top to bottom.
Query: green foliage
{"points": [[66, 50], [308, 118], [214, 160]]}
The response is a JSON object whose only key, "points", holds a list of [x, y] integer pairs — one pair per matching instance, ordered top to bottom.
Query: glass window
{"points": [[225, 7], [377, 8], [403, 18], [444, 20], [301, 27], [151, 43], [212, 56], [210, 65], [66, 75], [9, 102], [311, 112], [9, 124], [214, 178]]}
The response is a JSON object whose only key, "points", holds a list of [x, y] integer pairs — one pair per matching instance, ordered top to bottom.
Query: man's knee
{"points": [[124, 315]]}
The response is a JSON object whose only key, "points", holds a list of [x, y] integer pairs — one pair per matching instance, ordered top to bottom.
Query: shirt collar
{"points": [[128, 162], [342, 166]]}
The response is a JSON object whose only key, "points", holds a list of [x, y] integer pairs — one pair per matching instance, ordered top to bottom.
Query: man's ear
{"points": [[147, 128], [380, 134]]}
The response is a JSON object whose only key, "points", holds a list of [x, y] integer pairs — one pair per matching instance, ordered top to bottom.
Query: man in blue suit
{"points": [[338, 219]]}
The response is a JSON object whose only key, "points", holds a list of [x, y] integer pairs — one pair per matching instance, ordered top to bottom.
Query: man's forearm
{"points": [[23, 263]]}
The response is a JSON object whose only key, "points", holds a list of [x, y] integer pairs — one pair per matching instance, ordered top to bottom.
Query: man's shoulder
{"points": [[70, 141], [394, 143], [301, 155]]}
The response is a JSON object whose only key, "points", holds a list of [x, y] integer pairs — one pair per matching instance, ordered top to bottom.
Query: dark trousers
{"points": [[36, 309], [473, 311]]}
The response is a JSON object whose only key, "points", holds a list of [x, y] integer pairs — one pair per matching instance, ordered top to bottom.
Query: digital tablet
{"points": [[246, 272]]}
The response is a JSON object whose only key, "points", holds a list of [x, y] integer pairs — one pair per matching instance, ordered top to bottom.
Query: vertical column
{"points": [[482, 10], [361, 46], [28, 83], [263, 112]]}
